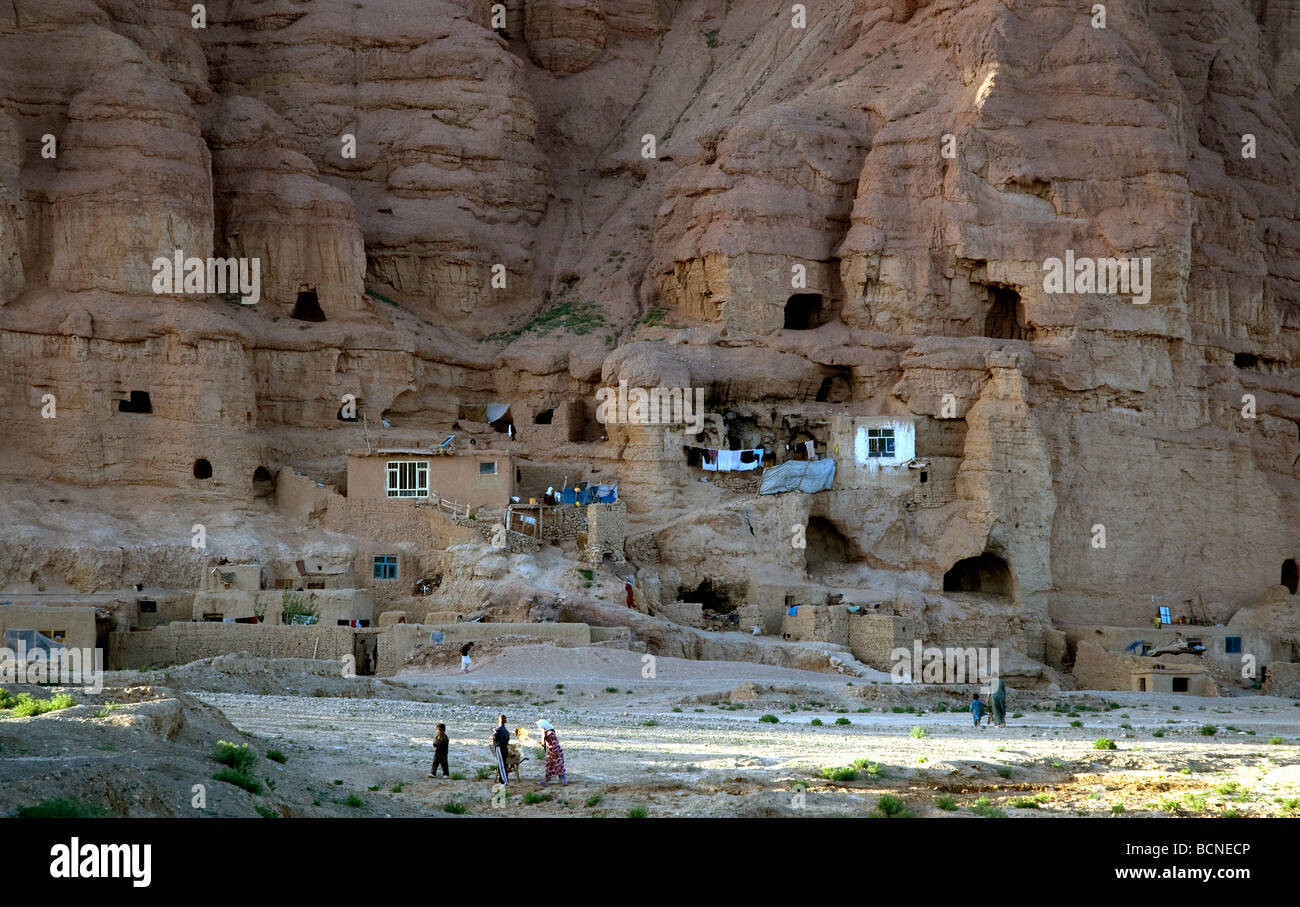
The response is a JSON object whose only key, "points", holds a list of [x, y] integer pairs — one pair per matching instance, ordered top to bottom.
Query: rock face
{"points": [[818, 226]]}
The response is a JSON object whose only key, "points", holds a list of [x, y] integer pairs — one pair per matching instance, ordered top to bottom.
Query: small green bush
{"points": [[24, 706], [769, 719], [842, 721], [817, 722], [1076, 724], [1208, 730], [917, 732], [1158, 732], [1276, 741], [1103, 743], [237, 756], [277, 756], [1004, 771], [483, 772], [839, 773], [458, 776], [239, 779], [396, 789], [533, 797], [594, 800], [354, 801], [947, 803], [1025, 803], [892, 807], [984, 807], [63, 808], [1117, 808], [456, 809], [266, 812], [637, 812]]}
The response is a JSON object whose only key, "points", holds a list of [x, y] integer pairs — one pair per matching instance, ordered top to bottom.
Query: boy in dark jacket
{"points": [[440, 744], [501, 744]]}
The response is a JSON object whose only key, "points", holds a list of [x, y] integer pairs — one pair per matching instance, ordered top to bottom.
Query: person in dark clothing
{"points": [[465, 660], [999, 702], [440, 744], [501, 744]]}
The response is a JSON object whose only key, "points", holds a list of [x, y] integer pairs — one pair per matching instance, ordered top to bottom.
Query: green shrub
{"points": [[24, 706], [898, 710], [769, 719], [842, 721], [817, 722], [650, 723], [1076, 724], [1208, 730], [917, 732], [1158, 732], [1276, 740], [1103, 743], [236, 755], [277, 756], [1004, 771], [483, 772], [839, 773], [458, 776], [239, 779], [373, 787], [396, 789], [533, 797], [594, 800], [354, 801], [947, 803], [1025, 803], [892, 807], [984, 807], [63, 808], [1117, 808], [456, 809], [266, 812], [637, 812]]}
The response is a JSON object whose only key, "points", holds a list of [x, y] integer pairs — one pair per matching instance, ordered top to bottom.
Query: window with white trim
{"points": [[880, 443], [408, 478]]}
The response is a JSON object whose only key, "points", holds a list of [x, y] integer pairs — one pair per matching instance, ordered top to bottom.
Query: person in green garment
{"points": [[998, 701]]}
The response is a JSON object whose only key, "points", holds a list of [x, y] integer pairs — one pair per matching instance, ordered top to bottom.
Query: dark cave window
{"points": [[307, 308], [803, 311], [1006, 318], [138, 402], [544, 417], [202, 469], [986, 573]]}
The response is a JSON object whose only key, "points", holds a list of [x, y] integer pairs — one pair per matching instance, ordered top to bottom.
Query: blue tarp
{"points": [[808, 476]]}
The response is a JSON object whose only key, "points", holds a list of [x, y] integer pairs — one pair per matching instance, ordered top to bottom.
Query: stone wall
{"points": [[606, 532], [332, 605], [77, 623], [872, 637], [399, 640], [179, 643], [1099, 669], [1282, 679]]}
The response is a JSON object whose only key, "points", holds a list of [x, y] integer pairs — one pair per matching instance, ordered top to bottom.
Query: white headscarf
{"points": [[545, 725]]}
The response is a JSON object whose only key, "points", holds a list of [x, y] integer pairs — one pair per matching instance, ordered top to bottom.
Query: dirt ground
{"points": [[690, 741]]}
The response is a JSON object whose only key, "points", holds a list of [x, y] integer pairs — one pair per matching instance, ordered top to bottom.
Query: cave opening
{"points": [[307, 308], [803, 312], [1006, 317], [1245, 360], [837, 387], [137, 402], [544, 417], [202, 469], [263, 482], [828, 547], [986, 573], [1290, 575], [713, 597]]}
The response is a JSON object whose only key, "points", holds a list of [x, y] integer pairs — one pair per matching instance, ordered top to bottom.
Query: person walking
{"points": [[627, 585], [465, 660], [999, 702], [977, 709], [440, 744], [501, 744], [554, 754]]}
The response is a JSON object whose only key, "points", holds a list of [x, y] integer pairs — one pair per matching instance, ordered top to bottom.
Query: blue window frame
{"points": [[386, 566], [1232, 645]]}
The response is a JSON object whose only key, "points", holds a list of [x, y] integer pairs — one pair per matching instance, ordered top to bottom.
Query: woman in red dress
{"points": [[554, 755]]}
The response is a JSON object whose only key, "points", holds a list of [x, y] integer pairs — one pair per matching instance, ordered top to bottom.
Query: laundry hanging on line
{"points": [[713, 460]]}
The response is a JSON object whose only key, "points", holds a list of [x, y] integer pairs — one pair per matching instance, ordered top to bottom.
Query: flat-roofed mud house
{"points": [[476, 478]]}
